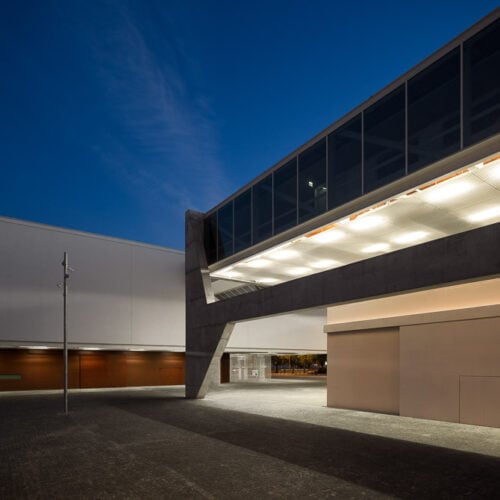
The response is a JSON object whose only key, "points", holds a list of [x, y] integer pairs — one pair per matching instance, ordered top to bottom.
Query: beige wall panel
{"points": [[476, 294], [435, 355], [363, 370], [480, 401]]}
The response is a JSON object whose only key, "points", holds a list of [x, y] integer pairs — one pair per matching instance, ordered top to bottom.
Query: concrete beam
{"points": [[461, 257]]}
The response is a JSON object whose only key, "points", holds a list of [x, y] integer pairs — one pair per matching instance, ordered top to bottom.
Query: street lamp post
{"points": [[65, 329]]}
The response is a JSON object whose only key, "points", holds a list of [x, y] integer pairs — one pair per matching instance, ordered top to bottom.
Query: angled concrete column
{"points": [[205, 340], [203, 355]]}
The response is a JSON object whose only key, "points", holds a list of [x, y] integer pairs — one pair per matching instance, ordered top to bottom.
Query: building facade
{"points": [[383, 218], [383, 232], [126, 312]]}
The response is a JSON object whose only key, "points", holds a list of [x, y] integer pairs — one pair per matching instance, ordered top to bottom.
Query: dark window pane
{"points": [[482, 85], [434, 112], [384, 140], [344, 163], [312, 181], [285, 196], [262, 209], [243, 221], [225, 226], [210, 238]]}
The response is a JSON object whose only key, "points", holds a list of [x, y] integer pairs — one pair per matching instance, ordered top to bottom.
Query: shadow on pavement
{"points": [[395, 467]]}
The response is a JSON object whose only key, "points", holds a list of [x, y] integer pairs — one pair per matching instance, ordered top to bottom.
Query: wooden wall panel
{"points": [[225, 368], [22, 369], [36, 369], [140, 369], [172, 369], [93, 370]]}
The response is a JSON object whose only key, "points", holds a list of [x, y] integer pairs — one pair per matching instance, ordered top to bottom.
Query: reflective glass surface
{"points": [[482, 85], [434, 112], [384, 140], [369, 151], [344, 163], [312, 181], [285, 196], [262, 209], [243, 221], [225, 231], [210, 238]]}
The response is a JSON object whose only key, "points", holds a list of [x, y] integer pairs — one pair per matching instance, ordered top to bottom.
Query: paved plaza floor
{"points": [[275, 440]]}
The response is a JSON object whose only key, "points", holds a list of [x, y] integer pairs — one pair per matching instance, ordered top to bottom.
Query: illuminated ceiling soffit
{"points": [[462, 200]]}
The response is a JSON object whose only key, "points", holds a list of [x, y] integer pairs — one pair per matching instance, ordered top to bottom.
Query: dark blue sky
{"points": [[117, 116]]}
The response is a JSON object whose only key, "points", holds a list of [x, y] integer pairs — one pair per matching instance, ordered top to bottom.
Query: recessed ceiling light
{"points": [[493, 162], [491, 168], [448, 191], [483, 215], [367, 222], [328, 236], [410, 237], [377, 247], [283, 254], [258, 263], [323, 264], [297, 271], [227, 274], [266, 281], [36, 347], [90, 348]]}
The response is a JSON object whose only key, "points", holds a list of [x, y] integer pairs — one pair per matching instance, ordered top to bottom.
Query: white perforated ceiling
{"points": [[463, 200]]}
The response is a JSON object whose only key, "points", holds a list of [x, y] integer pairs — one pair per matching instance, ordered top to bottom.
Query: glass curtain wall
{"points": [[482, 85], [434, 112], [415, 125], [384, 140], [344, 163], [312, 181], [285, 196], [262, 209], [243, 221], [225, 231], [210, 238]]}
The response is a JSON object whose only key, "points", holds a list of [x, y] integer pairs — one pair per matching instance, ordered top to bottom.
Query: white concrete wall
{"points": [[122, 293], [297, 332]]}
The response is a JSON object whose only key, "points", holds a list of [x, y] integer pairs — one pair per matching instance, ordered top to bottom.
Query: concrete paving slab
{"points": [[304, 400], [245, 441]]}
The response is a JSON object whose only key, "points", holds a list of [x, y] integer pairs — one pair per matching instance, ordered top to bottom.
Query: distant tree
{"points": [[299, 361]]}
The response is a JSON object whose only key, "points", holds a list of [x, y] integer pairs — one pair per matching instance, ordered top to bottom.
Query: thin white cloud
{"points": [[168, 148]]}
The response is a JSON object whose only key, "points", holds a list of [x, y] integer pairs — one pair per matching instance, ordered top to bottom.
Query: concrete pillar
{"points": [[205, 340]]}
